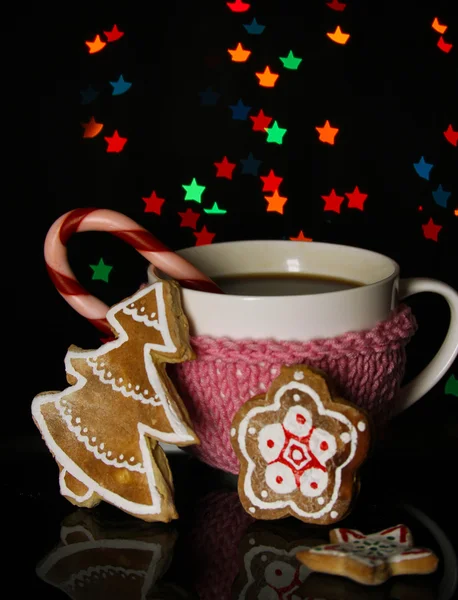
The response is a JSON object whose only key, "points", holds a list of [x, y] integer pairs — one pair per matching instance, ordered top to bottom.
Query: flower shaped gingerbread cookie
{"points": [[299, 449]]}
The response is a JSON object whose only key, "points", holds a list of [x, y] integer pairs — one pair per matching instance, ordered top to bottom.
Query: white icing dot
{"points": [[131, 305], [142, 309], [152, 315], [102, 364], [262, 364], [273, 371], [218, 372], [239, 373], [109, 374], [298, 375], [120, 380], [129, 385], [262, 386], [137, 387], [145, 392], [252, 393], [222, 395], [296, 397], [64, 402], [69, 411], [78, 420], [361, 426], [85, 430], [251, 430], [233, 431], [345, 437], [93, 439], [102, 446], [109, 453], [121, 457], [132, 458], [264, 494], [320, 501], [252, 509], [334, 514], [252, 541], [263, 558]]}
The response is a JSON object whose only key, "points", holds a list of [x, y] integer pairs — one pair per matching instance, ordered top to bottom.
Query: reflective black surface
{"points": [[215, 550]]}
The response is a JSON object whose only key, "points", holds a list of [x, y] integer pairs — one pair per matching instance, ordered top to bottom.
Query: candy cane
{"points": [[93, 219]]}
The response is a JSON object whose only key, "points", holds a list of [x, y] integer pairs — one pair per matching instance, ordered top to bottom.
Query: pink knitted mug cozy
{"points": [[366, 366]]}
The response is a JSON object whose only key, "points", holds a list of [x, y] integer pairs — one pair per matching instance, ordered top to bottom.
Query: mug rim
{"points": [[185, 252]]}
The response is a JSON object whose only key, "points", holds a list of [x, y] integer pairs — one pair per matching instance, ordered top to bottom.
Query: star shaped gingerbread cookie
{"points": [[300, 448], [370, 559]]}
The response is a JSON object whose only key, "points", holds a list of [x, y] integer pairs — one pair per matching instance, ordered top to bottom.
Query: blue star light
{"points": [[254, 28], [209, 97], [240, 111], [250, 165], [423, 168], [441, 196]]}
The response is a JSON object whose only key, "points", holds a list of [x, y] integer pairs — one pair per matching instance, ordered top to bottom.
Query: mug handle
{"points": [[121, 226], [437, 367]]}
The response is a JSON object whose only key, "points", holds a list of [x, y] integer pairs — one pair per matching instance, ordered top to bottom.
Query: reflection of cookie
{"points": [[104, 430], [299, 449], [370, 559], [123, 562], [268, 564]]}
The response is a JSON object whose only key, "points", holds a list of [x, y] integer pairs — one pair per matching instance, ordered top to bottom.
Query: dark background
{"points": [[390, 90]]}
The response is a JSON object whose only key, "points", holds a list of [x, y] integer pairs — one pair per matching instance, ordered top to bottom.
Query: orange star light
{"points": [[437, 26], [114, 34], [338, 36], [96, 45], [239, 54], [267, 78], [91, 128], [327, 133], [115, 143], [356, 199], [333, 201], [153, 203], [275, 203], [431, 230], [301, 238]]}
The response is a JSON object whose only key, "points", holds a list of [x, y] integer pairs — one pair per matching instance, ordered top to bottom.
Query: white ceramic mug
{"points": [[307, 317]]}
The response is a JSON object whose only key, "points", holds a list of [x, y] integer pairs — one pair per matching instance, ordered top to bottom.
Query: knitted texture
{"points": [[367, 368]]}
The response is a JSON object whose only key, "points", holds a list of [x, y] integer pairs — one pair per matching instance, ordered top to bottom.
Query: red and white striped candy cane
{"points": [[93, 219]]}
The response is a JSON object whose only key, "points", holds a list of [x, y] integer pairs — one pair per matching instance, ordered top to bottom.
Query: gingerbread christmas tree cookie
{"points": [[103, 431], [299, 449], [370, 559]]}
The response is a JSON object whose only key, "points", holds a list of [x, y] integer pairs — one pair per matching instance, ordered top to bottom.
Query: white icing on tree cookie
{"points": [[103, 430]]}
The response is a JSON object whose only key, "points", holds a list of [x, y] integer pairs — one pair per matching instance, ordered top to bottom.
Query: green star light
{"points": [[291, 62], [275, 133], [194, 191], [101, 271]]}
